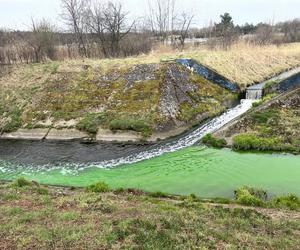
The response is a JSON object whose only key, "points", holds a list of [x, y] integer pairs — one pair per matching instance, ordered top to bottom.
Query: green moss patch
{"points": [[91, 122], [136, 125], [212, 141]]}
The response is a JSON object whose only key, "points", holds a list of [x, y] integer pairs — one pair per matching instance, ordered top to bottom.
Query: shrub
{"points": [[270, 84], [265, 99], [257, 104], [263, 117], [14, 121], [91, 122], [131, 124], [212, 141], [252, 142], [22, 182], [100, 187], [257, 192], [158, 195], [250, 196], [290, 201]]}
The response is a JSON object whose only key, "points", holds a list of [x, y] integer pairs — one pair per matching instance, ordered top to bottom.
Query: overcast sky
{"points": [[15, 14]]}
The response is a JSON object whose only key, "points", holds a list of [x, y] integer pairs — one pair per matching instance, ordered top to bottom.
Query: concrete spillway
{"points": [[209, 74], [286, 81]]}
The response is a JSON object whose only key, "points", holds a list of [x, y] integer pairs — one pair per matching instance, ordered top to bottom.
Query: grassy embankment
{"points": [[103, 93], [69, 94], [273, 125], [39, 217]]}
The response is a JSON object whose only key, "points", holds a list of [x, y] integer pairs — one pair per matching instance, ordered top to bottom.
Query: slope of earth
{"points": [[243, 64], [246, 65], [140, 96], [145, 98], [273, 126], [36, 217]]}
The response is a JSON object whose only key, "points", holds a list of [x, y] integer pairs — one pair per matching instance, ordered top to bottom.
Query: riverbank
{"points": [[129, 99], [141, 102], [271, 126], [206, 172], [63, 218]]}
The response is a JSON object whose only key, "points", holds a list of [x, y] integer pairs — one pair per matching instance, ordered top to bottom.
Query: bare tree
{"points": [[74, 14], [162, 17], [185, 22], [109, 24], [115, 24], [291, 30], [264, 34], [41, 40]]}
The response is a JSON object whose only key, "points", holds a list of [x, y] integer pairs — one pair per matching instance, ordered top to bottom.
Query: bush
{"points": [[270, 84], [265, 99], [263, 117], [14, 122], [91, 122], [131, 124], [212, 141], [252, 142], [22, 182], [100, 187], [158, 195], [250, 196], [290, 201]]}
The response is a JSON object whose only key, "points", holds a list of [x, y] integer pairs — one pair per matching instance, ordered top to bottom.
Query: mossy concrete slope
{"points": [[147, 100]]}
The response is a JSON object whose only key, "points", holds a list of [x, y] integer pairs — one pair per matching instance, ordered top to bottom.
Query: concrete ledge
{"points": [[26, 134], [66, 135], [106, 135], [165, 135]]}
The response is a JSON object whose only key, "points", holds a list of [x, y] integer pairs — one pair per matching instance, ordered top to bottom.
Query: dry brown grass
{"points": [[244, 64]]}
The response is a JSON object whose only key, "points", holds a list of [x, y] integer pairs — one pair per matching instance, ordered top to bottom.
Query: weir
{"points": [[255, 92]]}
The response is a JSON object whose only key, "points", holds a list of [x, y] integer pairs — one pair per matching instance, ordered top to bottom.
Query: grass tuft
{"points": [[91, 122], [136, 125], [211, 141], [22, 182], [100, 187], [291, 202]]}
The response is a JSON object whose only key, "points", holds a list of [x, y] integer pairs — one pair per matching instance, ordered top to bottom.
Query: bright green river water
{"points": [[204, 172]]}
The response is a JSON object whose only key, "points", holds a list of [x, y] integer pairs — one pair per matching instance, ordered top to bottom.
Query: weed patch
{"points": [[91, 122], [136, 125], [211, 141], [22, 182], [99, 187], [291, 202]]}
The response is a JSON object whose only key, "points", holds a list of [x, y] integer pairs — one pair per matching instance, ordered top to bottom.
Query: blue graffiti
{"points": [[209, 74], [289, 83]]}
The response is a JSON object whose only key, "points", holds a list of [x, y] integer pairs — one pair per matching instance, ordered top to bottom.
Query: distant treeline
{"points": [[104, 30]]}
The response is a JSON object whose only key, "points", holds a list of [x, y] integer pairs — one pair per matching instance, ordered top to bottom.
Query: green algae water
{"points": [[202, 171]]}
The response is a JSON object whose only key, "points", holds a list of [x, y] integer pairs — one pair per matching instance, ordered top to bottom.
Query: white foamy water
{"points": [[183, 142]]}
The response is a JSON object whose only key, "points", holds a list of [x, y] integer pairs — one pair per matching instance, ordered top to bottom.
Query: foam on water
{"points": [[186, 141]]}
